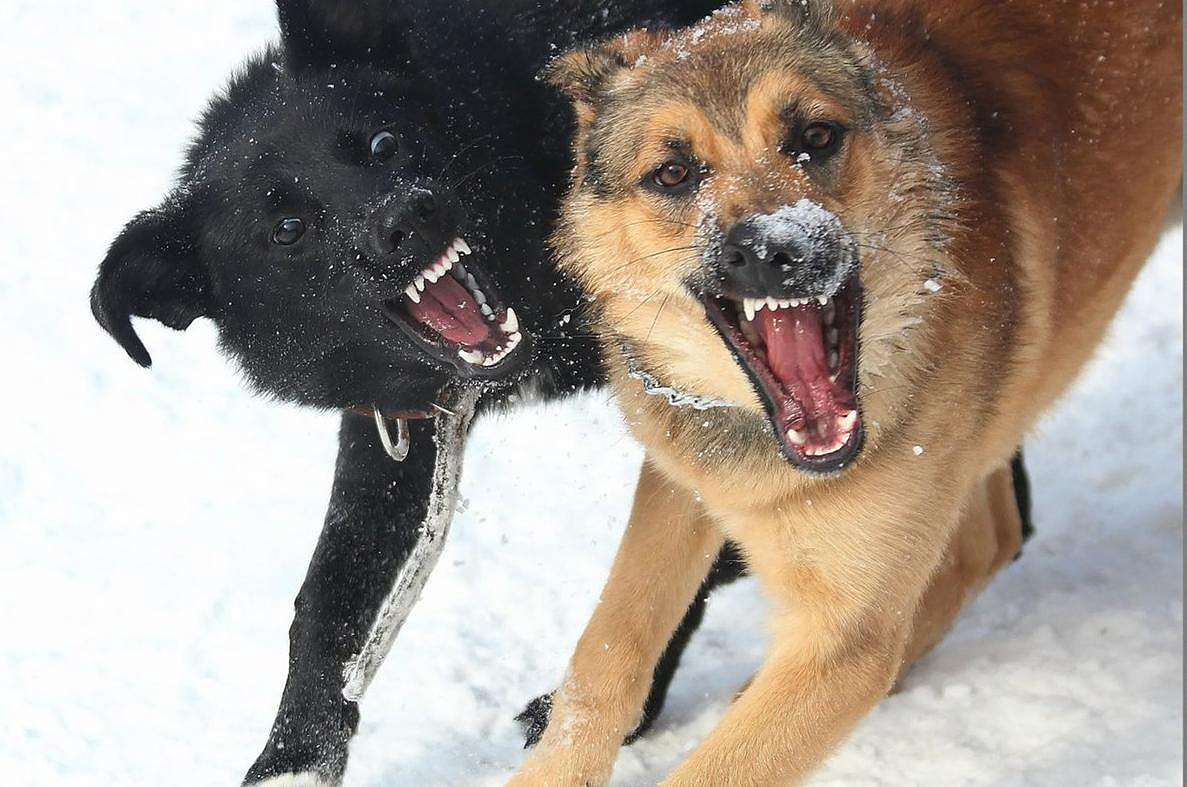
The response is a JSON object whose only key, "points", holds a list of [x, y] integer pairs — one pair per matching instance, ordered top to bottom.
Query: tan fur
{"points": [[1022, 154], [609, 680]]}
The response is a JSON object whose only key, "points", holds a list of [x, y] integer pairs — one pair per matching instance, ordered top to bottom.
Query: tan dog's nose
{"points": [[798, 251]]}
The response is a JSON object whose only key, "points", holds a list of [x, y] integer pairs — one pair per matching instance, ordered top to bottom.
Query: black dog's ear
{"points": [[321, 33], [152, 270]]}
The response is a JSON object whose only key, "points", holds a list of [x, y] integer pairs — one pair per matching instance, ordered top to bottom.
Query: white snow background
{"points": [[154, 527]]}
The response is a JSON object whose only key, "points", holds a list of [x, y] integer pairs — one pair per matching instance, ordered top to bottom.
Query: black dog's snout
{"points": [[405, 219], [783, 253]]}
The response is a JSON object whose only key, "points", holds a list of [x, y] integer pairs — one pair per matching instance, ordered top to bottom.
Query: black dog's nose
{"points": [[403, 219], [788, 252]]}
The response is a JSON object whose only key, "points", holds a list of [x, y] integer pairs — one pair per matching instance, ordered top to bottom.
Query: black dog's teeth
{"points": [[449, 262], [438, 268]]}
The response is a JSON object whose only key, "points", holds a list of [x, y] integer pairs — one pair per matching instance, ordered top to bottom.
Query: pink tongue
{"points": [[449, 309], [795, 354]]}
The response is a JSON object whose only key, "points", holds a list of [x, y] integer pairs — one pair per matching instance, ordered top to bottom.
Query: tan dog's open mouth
{"points": [[802, 356]]}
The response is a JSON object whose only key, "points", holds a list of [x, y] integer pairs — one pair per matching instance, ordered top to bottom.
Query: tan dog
{"points": [[866, 247]]}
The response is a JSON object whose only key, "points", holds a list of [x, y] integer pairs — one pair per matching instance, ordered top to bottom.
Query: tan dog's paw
{"points": [[566, 766]]}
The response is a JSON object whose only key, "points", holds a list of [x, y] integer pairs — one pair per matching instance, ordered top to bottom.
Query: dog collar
{"points": [[653, 387], [399, 447]]}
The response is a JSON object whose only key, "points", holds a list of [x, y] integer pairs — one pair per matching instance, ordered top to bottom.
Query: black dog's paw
{"points": [[536, 715], [535, 719], [640, 731]]}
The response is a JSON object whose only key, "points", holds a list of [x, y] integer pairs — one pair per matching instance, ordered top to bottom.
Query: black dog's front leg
{"points": [[376, 511]]}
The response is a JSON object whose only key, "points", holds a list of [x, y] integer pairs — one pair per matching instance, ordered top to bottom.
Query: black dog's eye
{"points": [[819, 140], [384, 145], [672, 174], [288, 232]]}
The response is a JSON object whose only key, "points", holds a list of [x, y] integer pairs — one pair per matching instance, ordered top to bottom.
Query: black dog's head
{"points": [[314, 223]]}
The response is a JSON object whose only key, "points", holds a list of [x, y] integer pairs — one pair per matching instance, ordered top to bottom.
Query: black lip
{"points": [[446, 354], [824, 466]]}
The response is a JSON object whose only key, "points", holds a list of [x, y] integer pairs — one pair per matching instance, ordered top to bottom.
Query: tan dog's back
{"points": [[1089, 160]]}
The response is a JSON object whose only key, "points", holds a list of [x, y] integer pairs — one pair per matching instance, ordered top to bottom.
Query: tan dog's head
{"points": [[758, 214]]}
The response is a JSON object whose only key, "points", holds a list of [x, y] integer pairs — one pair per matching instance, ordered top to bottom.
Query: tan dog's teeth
{"points": [[834, 360], [848, 421], [797, 438]]}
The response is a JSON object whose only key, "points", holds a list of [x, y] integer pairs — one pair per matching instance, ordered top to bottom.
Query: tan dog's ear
{"points": [[810, 15], [584, 75]]}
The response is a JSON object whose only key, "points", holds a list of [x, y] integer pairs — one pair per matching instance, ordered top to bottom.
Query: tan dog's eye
{"points": [[819, 136], [819, 140], [672, 174]]}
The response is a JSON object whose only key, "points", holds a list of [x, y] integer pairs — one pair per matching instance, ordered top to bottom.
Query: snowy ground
{"points": [[154, 526]]}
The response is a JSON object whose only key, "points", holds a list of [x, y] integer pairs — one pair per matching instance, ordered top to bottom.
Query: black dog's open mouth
{"points": [[456, 317], [802, 356]]}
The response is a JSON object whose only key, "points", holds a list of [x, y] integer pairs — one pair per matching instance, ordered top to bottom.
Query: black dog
{"points": [[364, 216]]}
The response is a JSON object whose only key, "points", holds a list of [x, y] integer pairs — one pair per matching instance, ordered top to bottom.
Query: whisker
{"points": [[455, 156], [480, 169], [646, 221], [676, 250], [642, 303], [657, 314]]}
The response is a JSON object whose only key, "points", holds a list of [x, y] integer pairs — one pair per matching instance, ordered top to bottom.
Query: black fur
{"points": [[288, 138], [1022, 494], [375, 510]]}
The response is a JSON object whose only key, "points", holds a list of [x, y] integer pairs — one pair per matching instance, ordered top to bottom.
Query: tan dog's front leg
{"points": [[988, 537], [668, 549], [843, 601]]}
